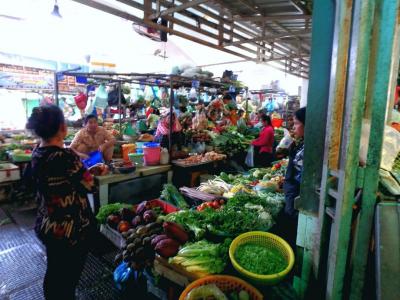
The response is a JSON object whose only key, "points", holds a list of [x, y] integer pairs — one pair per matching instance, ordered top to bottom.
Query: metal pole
{"points": [[56, 91], [119, 108], [171, 110]]}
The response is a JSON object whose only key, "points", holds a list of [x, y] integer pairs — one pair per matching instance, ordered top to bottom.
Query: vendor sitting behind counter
{"points": [[92, 138]]}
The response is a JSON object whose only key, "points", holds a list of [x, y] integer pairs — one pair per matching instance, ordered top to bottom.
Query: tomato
{"points": [[221, 202], [215, 204], [123, 226]]}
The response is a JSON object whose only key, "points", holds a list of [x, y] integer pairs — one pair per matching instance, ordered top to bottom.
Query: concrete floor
{"points": [[23, 262]]}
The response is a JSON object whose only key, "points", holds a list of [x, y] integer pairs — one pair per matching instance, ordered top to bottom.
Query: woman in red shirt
{"points": [[263, 145]]}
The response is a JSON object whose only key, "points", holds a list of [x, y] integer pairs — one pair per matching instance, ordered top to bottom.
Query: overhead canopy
{"points": [[276, 32]]}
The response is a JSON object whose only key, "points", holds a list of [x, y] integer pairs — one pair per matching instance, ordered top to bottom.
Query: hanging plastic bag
{"points": [[148, 93], [193, 94], [113, 97], [81, 100], [100, 100], [90, 107], [286, 141], [390, 147], [249, 161]]}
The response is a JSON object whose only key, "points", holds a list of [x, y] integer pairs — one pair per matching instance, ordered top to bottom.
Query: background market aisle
{"points": [[23, 263]]}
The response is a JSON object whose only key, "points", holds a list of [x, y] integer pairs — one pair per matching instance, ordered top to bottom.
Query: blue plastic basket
{"points": [[94, 158]]}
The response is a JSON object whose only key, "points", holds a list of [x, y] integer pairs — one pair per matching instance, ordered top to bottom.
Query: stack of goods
{"points": [[232, 142], [200, 159]]}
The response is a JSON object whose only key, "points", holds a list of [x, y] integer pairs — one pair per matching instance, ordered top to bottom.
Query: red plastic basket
{"points": [[166, 207]]}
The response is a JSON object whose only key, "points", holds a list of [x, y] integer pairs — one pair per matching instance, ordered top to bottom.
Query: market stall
{"points": [[181, 99], [183, 241]]}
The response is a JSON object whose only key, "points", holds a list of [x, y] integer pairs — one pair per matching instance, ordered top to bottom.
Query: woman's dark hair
{"points": [[227, 97], [156, 111], [300, 115], [89, 117], [266, 119], [45, 121]]}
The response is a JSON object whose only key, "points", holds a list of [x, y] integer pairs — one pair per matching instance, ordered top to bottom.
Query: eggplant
{"points": [[142, 207], [126, 214], [149, 216], [136, 221], [176, 232], [158, 238], [167, 247]]}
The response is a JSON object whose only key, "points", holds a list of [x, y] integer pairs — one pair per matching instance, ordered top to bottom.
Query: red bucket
{"points": [[276, 123]]}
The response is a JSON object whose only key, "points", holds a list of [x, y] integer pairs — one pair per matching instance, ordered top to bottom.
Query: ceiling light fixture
{"points": [[56, 10]]}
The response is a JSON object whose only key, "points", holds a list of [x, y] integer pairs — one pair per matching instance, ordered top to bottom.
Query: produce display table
{"points": [[189, 175], [103, 182], [173, 272]]}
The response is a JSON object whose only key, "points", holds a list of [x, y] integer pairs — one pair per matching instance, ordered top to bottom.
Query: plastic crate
{"points": [[9, 172], [166, 207], [113, 236], [116, 238], [156, 291]]}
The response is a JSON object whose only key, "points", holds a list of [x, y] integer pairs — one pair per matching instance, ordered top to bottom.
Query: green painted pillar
{"points": [[317, 104]]}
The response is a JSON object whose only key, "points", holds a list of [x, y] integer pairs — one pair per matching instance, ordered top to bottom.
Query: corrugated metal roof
{"points": [[277, 32]]}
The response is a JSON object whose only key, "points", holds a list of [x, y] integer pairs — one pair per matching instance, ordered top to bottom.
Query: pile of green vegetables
{"points": [[278, 134], [232, 142], [10, 147], [254, 174], [234, 179], [171, 195], [109, 209], [242, 213], [203, 257], [260, 260]]}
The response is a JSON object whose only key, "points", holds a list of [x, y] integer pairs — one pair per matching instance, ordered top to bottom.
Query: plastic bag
{"points": [[148, 93], [113, 98], [81, 100], [100, 100], [90, 107], [286, 141], [390, 147], [249, 161], [122, 274]]}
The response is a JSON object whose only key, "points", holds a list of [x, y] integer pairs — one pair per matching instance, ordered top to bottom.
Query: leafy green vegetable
{"points": [[232, 142], [4, 149], [171, 194], [109, 209], [203, 256], [259, 259]]}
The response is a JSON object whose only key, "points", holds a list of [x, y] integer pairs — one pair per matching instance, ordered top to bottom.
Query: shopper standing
{"points": [[263, 145], [293, 175], [65, 221]]}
